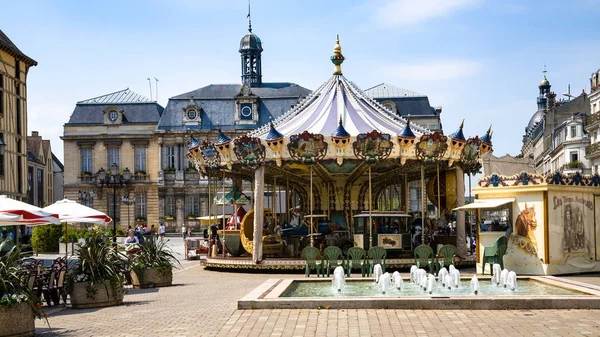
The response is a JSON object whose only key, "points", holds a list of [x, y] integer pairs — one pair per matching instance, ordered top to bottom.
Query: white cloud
{"points": [[411, 12], [434, 70]]}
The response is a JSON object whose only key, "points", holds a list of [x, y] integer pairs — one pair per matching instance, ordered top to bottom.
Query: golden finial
{"points": [[337, 59]]}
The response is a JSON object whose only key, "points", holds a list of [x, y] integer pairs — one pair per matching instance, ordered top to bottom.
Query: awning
{"points": [[485, 203], [210, 219]]}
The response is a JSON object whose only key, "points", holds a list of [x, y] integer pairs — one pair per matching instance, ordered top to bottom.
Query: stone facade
{"points": [[592, 151], [40, 171]]}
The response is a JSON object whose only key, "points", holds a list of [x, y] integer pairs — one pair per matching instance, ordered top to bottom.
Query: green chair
{"points": [[492, 254], [375, 256], [446, 256], [424, 257], [356, 258], [313, 260], [331, 260]]}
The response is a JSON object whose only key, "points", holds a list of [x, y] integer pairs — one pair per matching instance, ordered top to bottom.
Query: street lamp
{"points": [[115, 180], [128, 201]]}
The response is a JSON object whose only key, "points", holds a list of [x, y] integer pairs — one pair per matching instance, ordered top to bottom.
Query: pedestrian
{"points": [[161, 231], [153, 232], [183, 232], [189, 232]]}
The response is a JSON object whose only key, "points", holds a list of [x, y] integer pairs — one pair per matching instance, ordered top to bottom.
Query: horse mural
{"points": [[525, 226]]}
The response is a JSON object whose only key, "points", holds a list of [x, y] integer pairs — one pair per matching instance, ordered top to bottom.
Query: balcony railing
{"points": [[592, 149]]}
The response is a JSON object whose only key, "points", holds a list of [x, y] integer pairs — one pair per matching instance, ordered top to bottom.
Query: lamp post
{"points": [[115, 180], [128, 201]]}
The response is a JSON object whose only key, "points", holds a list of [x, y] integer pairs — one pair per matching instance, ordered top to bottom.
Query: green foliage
{"points": [[575, 164], [45, 238], [154, 254], [98, 261], [11, 289]]}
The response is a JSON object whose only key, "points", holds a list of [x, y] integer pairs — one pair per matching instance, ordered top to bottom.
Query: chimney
{"points": [[551, 101], [35, 134]]}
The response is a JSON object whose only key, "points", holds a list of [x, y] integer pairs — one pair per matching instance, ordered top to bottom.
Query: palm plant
{"points": [[154, 254], [12, 289]]}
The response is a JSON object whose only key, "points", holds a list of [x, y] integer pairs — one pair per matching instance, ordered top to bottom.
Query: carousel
{"points": [[334, 170]]}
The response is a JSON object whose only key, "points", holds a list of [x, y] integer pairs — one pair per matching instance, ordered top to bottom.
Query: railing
{"points": [[594, 118], [592, 149], [140, 177], [88, 178]]}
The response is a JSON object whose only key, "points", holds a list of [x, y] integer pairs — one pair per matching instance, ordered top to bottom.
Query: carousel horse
{"points": [[525, 225]]}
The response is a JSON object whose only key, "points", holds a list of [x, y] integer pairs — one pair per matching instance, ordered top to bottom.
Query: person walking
{"points": [[161, 231], [183, 232]]}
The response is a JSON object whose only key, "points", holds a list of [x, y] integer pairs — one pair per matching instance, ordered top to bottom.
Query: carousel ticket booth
{"points": [[341, 160], [551, 222]]}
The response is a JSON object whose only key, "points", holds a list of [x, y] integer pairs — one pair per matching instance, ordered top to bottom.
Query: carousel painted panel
{"points": [[597, 225], [571, 231], [359, 240], [526, 243]]}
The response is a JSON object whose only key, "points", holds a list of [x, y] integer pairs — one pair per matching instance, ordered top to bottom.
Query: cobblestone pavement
{"points": [[203, 303]]}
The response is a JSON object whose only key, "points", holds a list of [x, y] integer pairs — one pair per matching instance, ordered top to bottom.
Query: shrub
{"points": [[45, 238]]}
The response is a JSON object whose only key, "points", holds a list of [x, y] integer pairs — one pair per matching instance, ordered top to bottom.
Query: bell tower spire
{"points": [[250, 50], [544, 87]]}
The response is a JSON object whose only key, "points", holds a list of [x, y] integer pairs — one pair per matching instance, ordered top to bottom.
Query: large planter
{"points": [[152, 278], [102, 295], [17, 320]]}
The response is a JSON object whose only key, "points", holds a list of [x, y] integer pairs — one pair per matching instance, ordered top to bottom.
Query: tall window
{"points": [[573, 131], [2, 154], [113, 156], [171, 156], [574, 156], [86, 159], [140, 159], [30, 185], [40, 188], [140, 205], [192, 205], [170, 206], [115, 214]]}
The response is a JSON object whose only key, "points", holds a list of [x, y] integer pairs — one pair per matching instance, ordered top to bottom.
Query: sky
{"points": [[479, 60]]}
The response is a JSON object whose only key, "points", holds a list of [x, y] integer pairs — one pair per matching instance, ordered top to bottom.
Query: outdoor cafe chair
{"points": [[376, 255], [332, 256], [424, 257], [356, 258], [313, 260]]}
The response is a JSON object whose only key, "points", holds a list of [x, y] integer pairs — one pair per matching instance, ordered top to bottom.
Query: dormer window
{"points": [[391, 106], [246, 107], [246, 111], [191, 113], [113, 116]]}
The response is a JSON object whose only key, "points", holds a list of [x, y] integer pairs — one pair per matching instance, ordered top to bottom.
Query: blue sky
{"points": [[480, 60]]}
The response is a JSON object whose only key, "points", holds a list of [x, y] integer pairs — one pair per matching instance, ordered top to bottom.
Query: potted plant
{"points": [[140, 173], [192, 216], [169, 217], [140, 218], [152, 266], [97, 279], [19, 306]]}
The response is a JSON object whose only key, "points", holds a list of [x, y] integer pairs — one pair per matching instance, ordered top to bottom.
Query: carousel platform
{"points": [[296, 264]]}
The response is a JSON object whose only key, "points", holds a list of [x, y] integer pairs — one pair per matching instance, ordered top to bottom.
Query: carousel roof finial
{"points": [[337, 59], [340, 131], [407, 132], [273, 133], [458, 134], [222, 138], [487, 138], [193, 143]]}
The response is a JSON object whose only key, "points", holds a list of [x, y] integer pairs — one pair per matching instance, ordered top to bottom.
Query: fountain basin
{"points": [[536, 292]]}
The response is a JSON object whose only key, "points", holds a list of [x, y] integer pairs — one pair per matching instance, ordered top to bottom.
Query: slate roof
{"points": [[8, 46], [384, 90], [217, 103], [136, 109], [33, 158], [58, 162]]}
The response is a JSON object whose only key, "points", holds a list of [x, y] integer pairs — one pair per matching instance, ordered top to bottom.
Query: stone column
{"points": [[259, 216], [461, 248]]}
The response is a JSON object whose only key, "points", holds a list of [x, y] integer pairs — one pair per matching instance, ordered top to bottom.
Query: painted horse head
{"points": [[526, 223]]}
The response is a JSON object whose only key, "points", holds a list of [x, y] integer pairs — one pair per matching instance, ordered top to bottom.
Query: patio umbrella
{"points": [[71, 211], [14, 212]]}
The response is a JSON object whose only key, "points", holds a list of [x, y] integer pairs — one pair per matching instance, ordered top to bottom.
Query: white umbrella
{"points": [[71, 211], [14, 212]]}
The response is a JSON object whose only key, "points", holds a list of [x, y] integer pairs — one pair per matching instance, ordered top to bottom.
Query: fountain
{"points": [[377, 271], [413, 273], [496, 273], [421, 275], [442, 276], [503, 276], [455, 277], [339, 279], [511, 280], [449, 281], [384, 282], [398, 283], [431, 284], [475, 284]]}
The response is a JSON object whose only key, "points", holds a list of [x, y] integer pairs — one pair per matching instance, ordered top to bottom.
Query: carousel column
{"points": [[259, 216], [461, 248]]}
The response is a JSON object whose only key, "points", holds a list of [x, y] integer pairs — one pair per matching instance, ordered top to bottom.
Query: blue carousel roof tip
{"points": [[340, 131], [407, 132], [273, 133], [458, 135], [222, 138], [487, 138], [193, 143]]}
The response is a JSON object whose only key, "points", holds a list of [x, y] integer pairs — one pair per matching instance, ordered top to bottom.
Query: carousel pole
{"points": [[406, 195], [274, 201], [287, 201], [280, 202], [423, 204], [223, 208], [370, 211], [439, 212], [259, 214], [209, 217], [312, 237]]}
